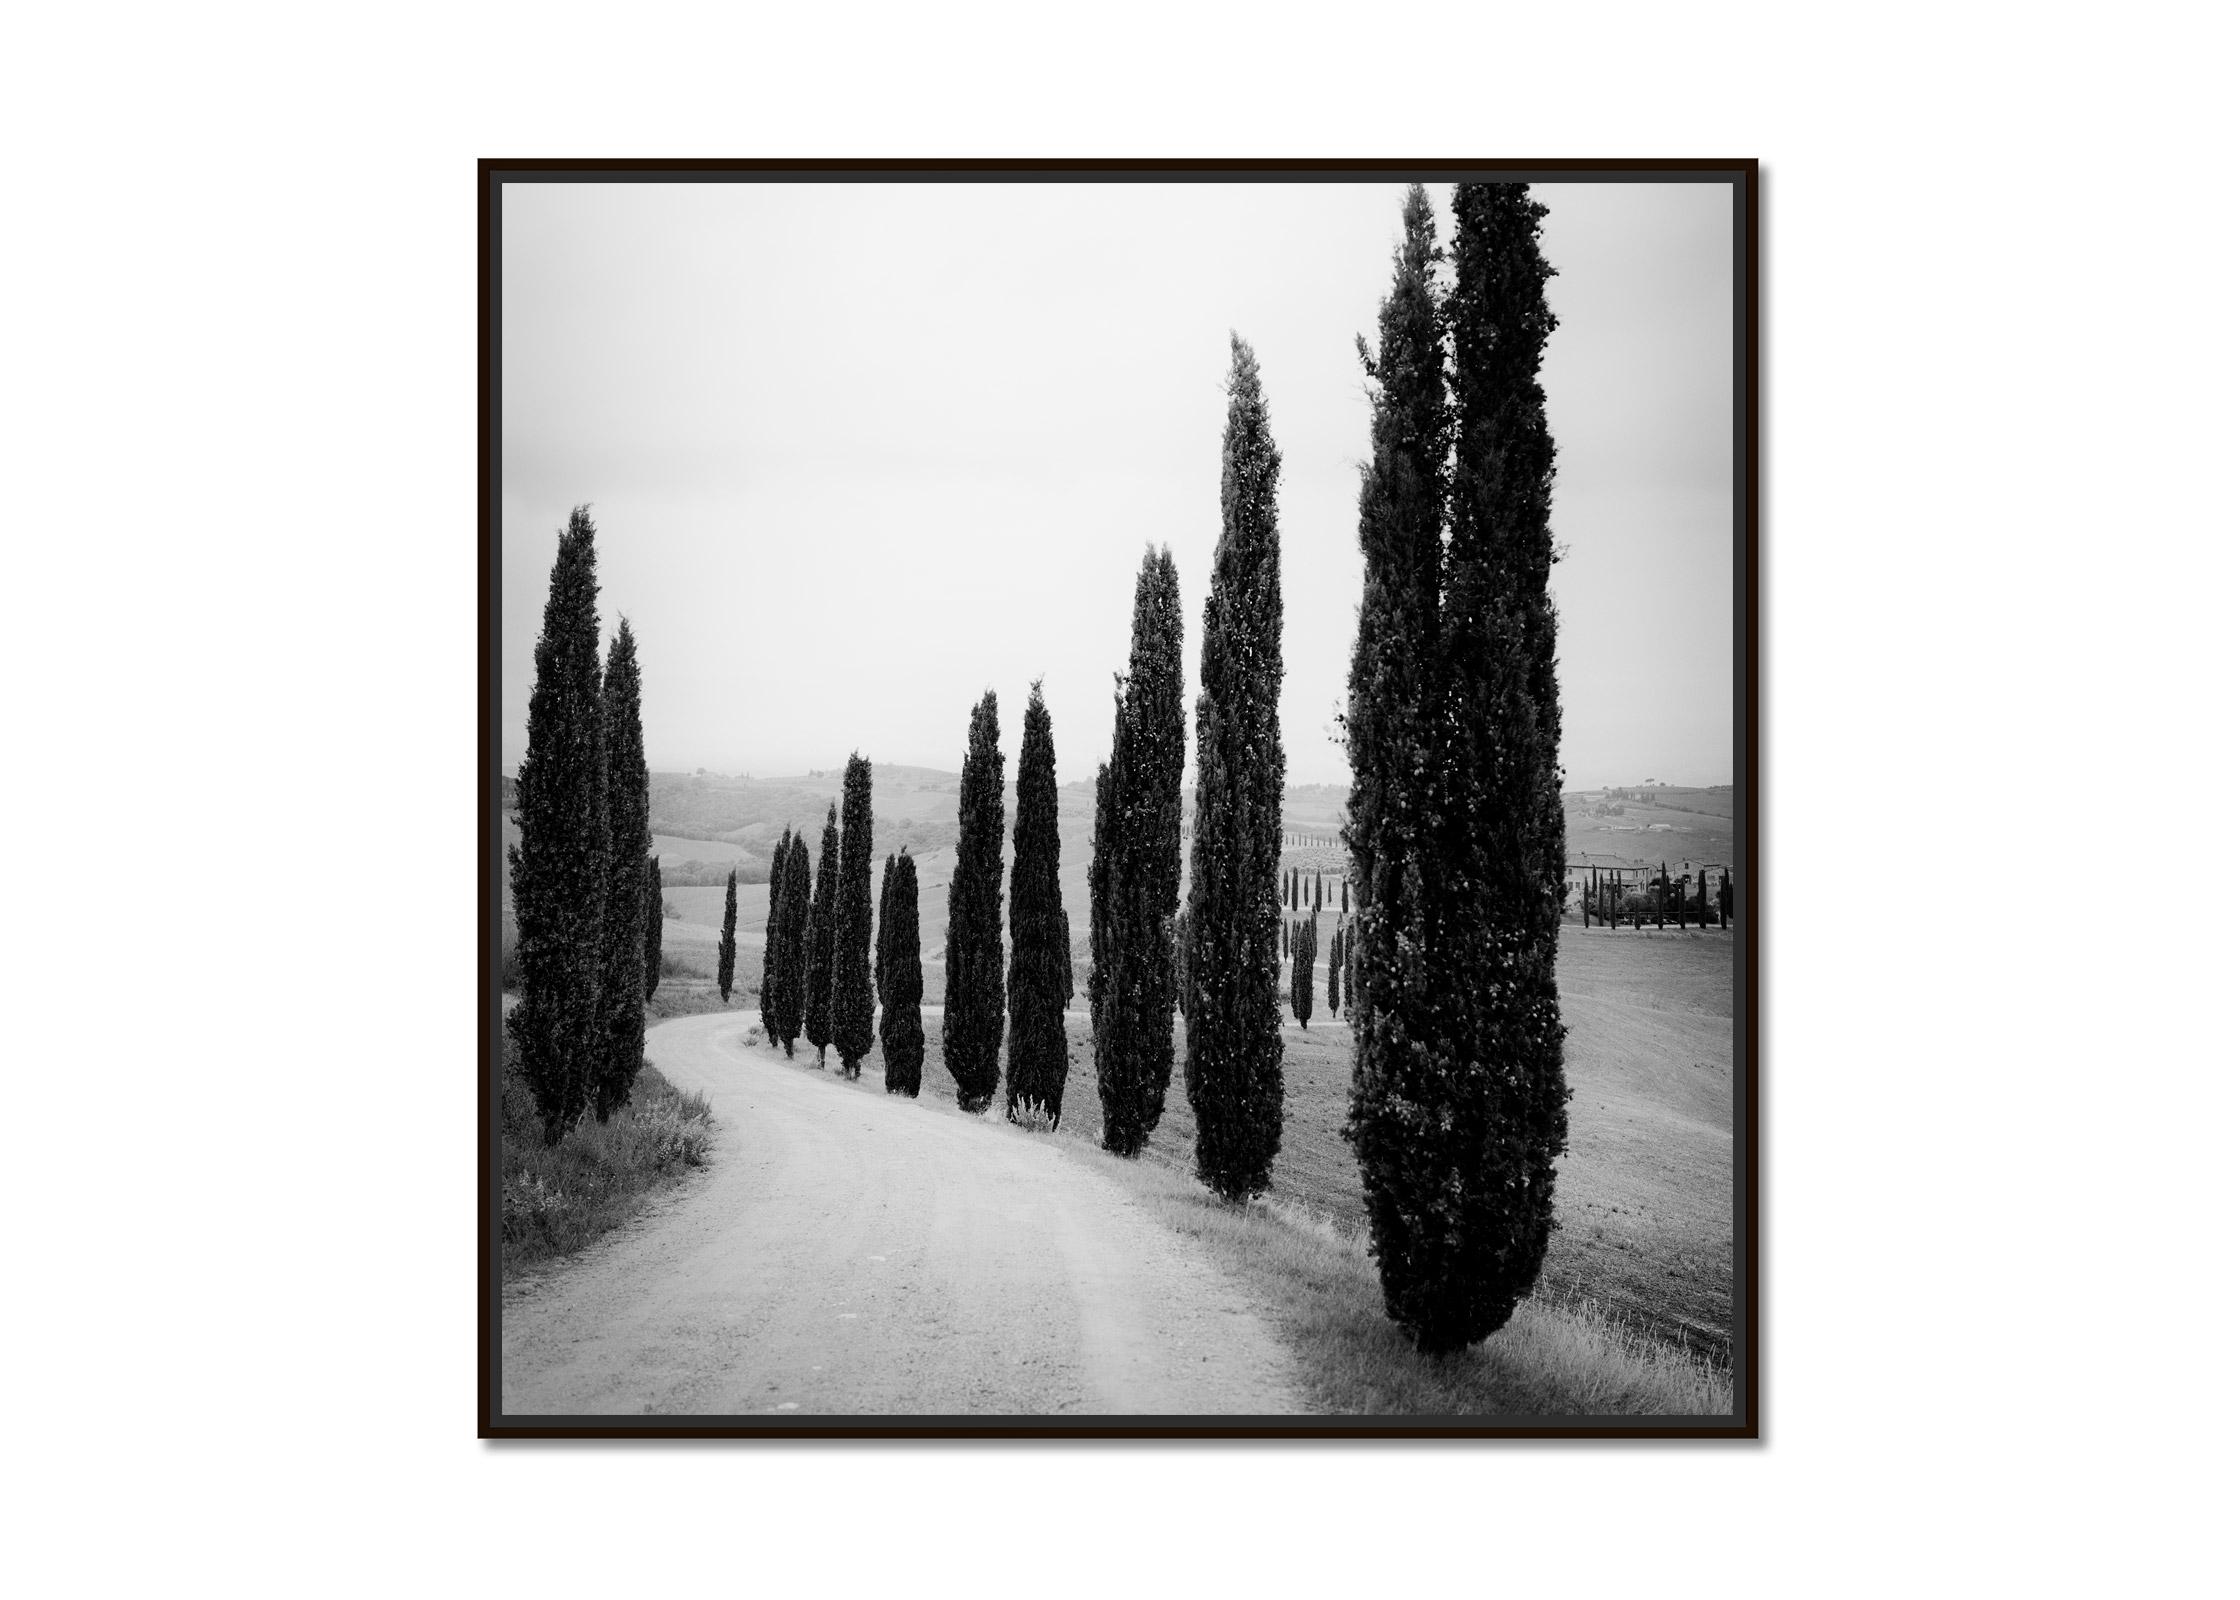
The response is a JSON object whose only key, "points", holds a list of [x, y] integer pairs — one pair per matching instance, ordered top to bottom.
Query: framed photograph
{"points": [[1118, 799]]}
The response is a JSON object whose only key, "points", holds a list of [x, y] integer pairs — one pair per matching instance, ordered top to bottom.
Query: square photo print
{"points": [[1118, 799]]}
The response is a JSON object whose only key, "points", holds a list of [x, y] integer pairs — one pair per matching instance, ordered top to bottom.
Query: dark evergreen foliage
{"points": [[1456, 821], [629, 836], [1104, 837], [559, 867], [1136, 869], [1345, 897], [653, 925], [879, 941], [727, 942], [773, 942], [1305, 942], [1337, 961], [1353, 965], [1041, 977], [787, 978], [902, 979], [972, 982], [816, 997], [854, 1020], [1233, 1069]]}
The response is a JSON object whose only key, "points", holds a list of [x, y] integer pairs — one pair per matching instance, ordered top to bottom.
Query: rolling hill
{"points": [[717, 823]]}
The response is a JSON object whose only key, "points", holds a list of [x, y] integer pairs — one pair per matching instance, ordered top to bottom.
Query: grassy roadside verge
{"points": [[555, 1199], [1317, 1285]]}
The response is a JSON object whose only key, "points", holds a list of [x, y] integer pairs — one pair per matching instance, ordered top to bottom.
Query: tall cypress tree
{"points": [[1391, 721], [1455, 822], [629, 835], [1104, 838], [559, 866], [1136, 870], [1498, 900], [653, 924], [879, 940], [727, 942], [773, 942], [1337, 960], [1041, 963], [787, 979], [972, 981], [816, 999], [854, 1021], [902, 1033], [1233, 1071]]}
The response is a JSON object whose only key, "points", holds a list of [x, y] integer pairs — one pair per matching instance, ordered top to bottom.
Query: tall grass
{"points": [[555, 1199]]}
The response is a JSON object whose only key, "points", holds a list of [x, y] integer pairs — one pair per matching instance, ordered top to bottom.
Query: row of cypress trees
{"points": [[1455, 822], [1135, 869], [1303, 894], [785, 942], [1302, 944], [589, 951], [816, 951], [1220, 955], [1028, 1060]]}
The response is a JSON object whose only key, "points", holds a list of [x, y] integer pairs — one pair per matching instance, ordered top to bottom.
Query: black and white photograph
{"points": [[1119, 799]]}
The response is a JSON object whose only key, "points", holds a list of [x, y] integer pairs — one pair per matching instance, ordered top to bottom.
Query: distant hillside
{"points": [[914, 806], [706, 824], [1649, 825]]}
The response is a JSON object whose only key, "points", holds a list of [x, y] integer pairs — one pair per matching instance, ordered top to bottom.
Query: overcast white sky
{"points": [[858, 452]]}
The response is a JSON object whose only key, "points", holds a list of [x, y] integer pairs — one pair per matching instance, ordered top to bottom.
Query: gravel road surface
{"points": [[849, 1252]]}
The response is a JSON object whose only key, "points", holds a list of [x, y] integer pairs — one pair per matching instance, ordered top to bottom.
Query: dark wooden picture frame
{"points": [[1748, 1320]]}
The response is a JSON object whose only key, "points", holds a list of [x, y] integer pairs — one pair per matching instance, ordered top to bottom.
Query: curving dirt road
{"points": [[848, 1252]]}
